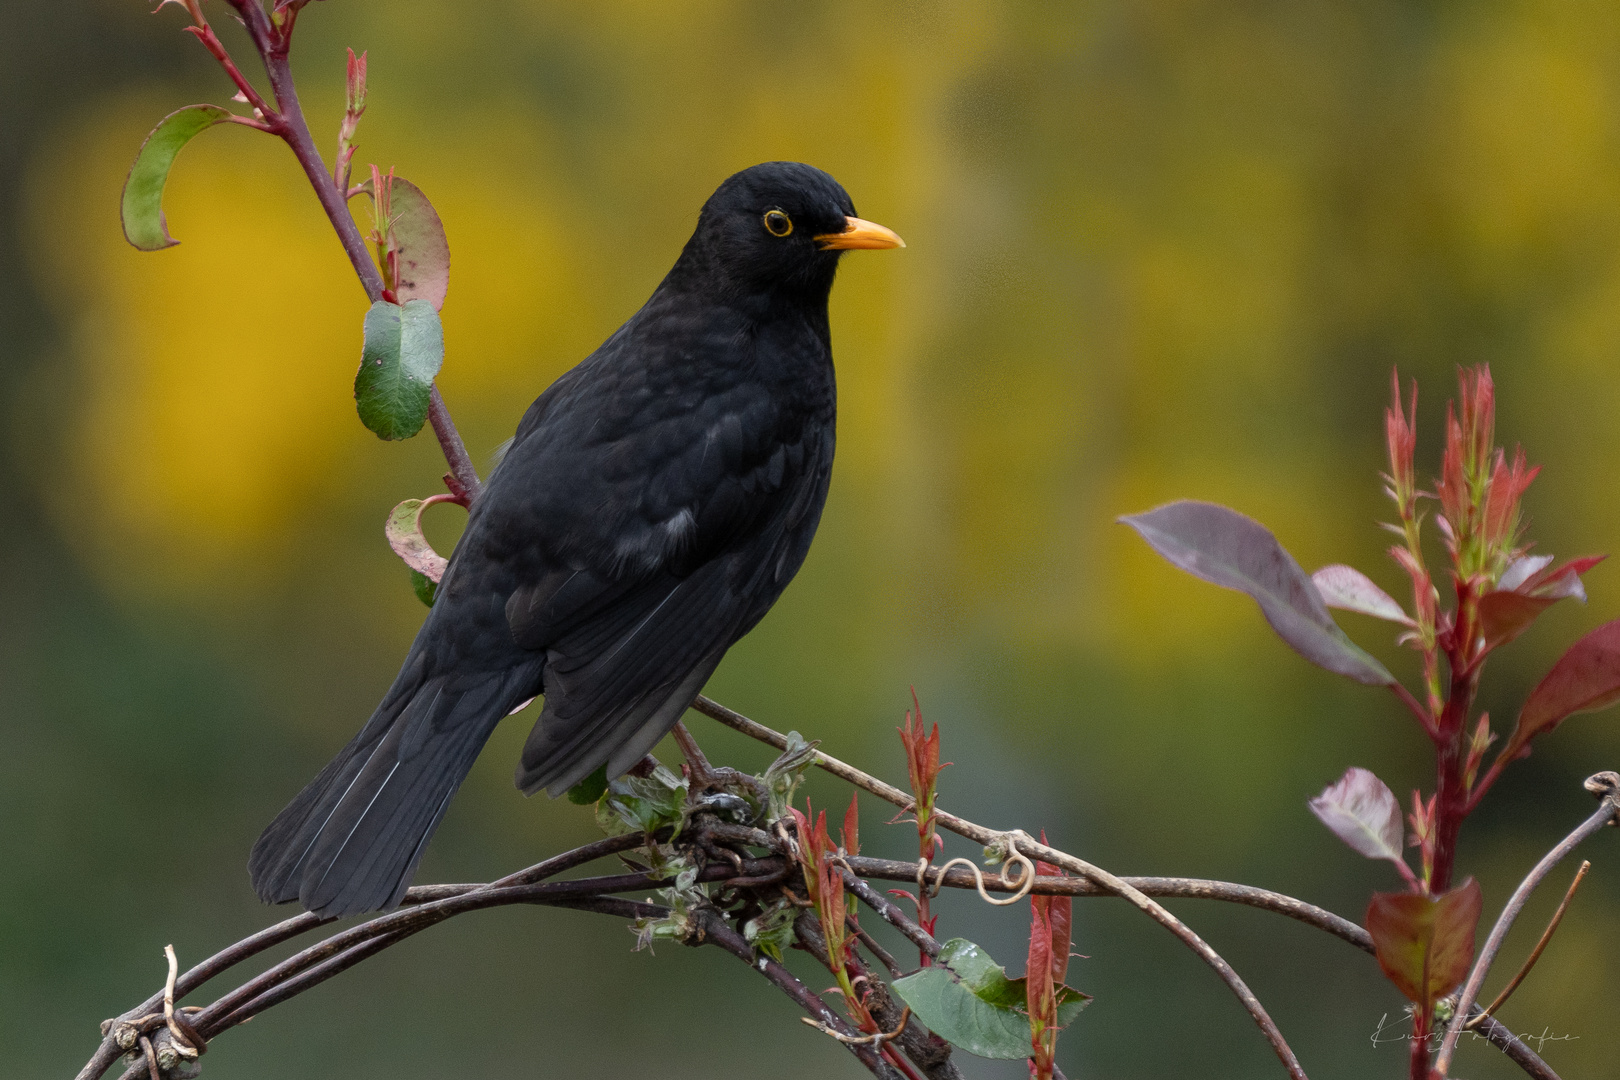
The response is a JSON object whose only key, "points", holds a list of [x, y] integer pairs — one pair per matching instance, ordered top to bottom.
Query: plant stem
{"points": [[288, 123]]}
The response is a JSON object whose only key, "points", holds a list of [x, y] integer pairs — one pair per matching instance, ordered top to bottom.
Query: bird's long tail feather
{"points": [[350, 841]]}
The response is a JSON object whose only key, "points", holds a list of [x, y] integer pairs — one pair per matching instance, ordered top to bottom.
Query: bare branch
{"points": [[1606, 786], [1535, 953]]}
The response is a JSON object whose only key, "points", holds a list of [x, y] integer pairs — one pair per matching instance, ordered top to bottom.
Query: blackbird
{"points": [[654, 503]]}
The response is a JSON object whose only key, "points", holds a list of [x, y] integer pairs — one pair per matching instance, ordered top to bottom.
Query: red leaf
{"points": [[1226, 548], [1503, 616], [1586, 678], [850, 837], [1425, 944]]}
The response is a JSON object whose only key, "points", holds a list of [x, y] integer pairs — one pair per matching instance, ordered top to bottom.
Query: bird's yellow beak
{"points": [[860, 233]]}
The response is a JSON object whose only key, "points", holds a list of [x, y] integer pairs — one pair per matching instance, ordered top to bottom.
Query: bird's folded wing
{"points": [[621, 678]]}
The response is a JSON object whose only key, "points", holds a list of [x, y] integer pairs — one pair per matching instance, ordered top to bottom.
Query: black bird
{"points": [[654, 503]]}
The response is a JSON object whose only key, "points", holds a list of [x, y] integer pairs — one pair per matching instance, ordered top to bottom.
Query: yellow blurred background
{"points": [[1156, 250]]}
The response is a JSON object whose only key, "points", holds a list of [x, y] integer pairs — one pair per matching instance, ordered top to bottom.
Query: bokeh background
{"points": [[1157, 250]]}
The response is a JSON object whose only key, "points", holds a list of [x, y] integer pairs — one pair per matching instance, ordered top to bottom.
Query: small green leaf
{"points": [[142, 209], [404, 348], [425, 588], [782, 776], [588, 790], [642, 804], [771, 931], [956, 1014]]}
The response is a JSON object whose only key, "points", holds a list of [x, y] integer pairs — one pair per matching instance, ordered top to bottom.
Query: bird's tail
{"points": [[350, 841]]}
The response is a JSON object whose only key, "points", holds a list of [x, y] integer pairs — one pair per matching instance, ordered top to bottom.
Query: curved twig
{"points": [[1605, 785]]}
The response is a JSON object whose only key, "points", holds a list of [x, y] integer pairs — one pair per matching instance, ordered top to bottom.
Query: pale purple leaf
{"points": [[1226, 548], [1522, 570], [1347, 588], [1364, 813]]}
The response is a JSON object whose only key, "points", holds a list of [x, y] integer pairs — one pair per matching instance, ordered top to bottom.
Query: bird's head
{"points": [[778, 228]]}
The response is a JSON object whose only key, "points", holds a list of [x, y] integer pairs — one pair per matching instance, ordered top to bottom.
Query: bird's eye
{"points": [[777, 223]]}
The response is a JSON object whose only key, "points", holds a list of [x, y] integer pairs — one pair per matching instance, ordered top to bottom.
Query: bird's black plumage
{"points": [[654, 503]]}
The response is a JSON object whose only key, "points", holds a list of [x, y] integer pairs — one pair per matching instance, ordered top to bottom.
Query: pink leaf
{"points": [[1224, 547], [1347, 588], [1364, 813]]}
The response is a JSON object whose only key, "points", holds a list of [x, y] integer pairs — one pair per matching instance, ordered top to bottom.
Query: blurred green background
{"points": [[1157, 250]]}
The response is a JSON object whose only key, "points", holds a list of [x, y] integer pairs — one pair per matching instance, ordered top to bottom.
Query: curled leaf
{"points": [[142, 206], [403, 351], [404, 532], [1225, 547], [1526, 589], [1363, 812], [1425, 944]]}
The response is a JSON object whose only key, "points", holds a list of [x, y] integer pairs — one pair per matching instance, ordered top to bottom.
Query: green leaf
{"points": [[142, 209], [424, 253], [404, 348], [425, 588], [782, 776], [588, 790], [771, 931], [980, 974], [969, 1000], [956, 1014]]}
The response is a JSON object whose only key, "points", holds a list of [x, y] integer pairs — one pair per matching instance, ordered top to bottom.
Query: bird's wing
{"points": [[630, 640]]}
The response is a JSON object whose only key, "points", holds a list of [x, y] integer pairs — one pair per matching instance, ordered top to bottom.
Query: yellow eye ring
{"points": [[778, 223]]}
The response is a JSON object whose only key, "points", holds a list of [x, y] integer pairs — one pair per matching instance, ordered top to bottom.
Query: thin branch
{"points": [[289, 123], [1606, 786], [1030, 848], [890, 912], [714, 930], [1535, 953]]}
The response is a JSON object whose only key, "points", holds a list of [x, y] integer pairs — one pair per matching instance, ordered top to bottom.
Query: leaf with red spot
{"points": [[417, 234]]}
